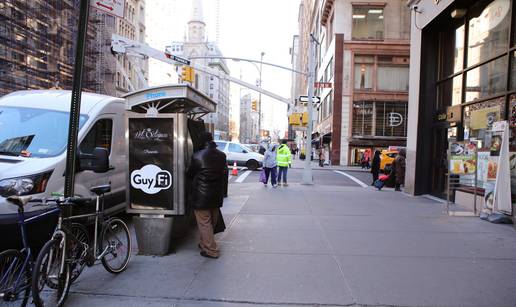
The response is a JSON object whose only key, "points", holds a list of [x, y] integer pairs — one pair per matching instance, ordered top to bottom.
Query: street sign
{"points": [[113, 7], [177, 59], [323, 85], [315, 99]]}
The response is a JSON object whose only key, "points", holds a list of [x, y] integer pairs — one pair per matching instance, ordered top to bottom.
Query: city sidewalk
{"points": [[323, 245]]}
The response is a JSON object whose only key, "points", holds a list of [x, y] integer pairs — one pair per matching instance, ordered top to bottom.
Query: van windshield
{"points": [[34, 132]]}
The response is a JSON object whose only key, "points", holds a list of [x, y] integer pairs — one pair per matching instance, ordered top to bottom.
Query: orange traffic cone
{"points": [[234, 171]]}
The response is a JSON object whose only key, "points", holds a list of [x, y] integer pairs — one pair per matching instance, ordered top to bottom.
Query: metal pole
{"points": [[260, 101], [75, 104], [307, 172]]}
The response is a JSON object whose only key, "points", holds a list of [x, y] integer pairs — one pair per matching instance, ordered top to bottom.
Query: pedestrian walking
{"points": [[321, 157], [284, 160], [269, 165], [375, 167], [398, 168], [207, 170]]}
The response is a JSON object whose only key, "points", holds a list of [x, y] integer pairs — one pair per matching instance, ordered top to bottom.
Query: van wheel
{"points": [[252, 165]]}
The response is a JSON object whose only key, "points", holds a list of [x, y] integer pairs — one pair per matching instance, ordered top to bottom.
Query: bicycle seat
{"points": [[101, 189], [20, 201]]}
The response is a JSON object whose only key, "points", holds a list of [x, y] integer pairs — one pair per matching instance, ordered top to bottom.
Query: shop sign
{"points": [[496, 12], [453, 114], [441, 117], [395, 119]]}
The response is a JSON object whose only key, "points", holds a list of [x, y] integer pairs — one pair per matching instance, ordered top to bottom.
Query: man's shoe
{"points": [[285, 184], [274, 185], [204, 254]]}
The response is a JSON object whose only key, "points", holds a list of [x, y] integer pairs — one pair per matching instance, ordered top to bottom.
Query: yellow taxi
{"points": [[386, 159]]}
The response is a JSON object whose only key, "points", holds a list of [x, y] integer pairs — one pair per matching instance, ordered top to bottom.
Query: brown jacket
{"points": [[399, 167]]}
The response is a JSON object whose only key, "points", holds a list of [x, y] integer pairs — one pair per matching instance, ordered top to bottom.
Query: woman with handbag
{"points": [[269, 166]]}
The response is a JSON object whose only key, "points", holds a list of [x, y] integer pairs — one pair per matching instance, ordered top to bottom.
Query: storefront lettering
{"points": [[395, 119]]}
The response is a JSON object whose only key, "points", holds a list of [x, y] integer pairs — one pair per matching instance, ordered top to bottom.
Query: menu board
{"points": [[463, 158]]}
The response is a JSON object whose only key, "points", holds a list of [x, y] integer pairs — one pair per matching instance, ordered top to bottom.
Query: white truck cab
{"points": [[33, 139]]}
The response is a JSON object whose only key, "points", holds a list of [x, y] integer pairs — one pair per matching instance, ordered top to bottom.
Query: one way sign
{"points": [[113, 7], [315, 99]]}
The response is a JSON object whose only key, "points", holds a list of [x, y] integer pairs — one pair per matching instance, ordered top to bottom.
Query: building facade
{"points": [[37, 40], [201, 52], [362, 58], [462, 80], [249, 130]]}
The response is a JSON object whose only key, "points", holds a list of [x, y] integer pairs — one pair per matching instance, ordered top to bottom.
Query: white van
{"points": [[33, 139]]}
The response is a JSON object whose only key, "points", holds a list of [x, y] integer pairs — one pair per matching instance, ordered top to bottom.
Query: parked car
{"points": [[33, 139], [240, 154], [386, 159]]}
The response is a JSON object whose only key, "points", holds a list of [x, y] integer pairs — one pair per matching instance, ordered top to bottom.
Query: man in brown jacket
{"points": [[399, 169]]}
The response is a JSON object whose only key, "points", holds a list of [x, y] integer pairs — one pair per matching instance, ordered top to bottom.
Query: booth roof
{"points": [[174, 98]]}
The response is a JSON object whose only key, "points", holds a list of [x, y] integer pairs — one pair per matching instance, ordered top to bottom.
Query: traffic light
{"points": [[187, 74], [254, 105]]}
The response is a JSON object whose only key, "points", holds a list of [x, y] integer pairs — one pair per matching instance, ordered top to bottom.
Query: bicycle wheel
{"points": [[117, 239], [77, 245], [14, 277], [49, 285]]}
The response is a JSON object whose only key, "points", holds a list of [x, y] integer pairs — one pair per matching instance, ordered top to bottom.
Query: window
{"points": [[367, 23], [488, 33], [452, 42], [363, 76], [393, 78], [486, 80], [449, 92], [362, 118], [391, 119], [99, 136], [221, 145], [235, 148]]}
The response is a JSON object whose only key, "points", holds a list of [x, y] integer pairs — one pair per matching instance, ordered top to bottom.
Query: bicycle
{"points": [[63, 257], [16, 266]]}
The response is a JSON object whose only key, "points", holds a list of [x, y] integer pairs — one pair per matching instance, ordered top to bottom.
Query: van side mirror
{"points": [[97, 161]]}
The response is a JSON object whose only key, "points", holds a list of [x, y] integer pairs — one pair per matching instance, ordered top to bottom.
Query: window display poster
{"points": [[484, 118], [151, 156], [463, 158], [482, 166], [492, 168], [502, 191]]}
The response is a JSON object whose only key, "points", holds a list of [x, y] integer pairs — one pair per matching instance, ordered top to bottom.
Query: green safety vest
{"points": [[283, 157]]}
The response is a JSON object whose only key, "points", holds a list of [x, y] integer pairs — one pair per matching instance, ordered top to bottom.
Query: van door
{"points": [[99, 135]]}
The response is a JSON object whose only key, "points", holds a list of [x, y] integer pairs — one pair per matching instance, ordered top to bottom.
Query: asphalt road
{"points": [[295, 175]]}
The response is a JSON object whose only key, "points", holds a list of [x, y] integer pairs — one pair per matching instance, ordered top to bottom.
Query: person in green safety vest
{"points": [[284, 160]]}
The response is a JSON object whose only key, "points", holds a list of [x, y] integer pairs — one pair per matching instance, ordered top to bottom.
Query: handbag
{"points": [[263, 178], [220, 225]]}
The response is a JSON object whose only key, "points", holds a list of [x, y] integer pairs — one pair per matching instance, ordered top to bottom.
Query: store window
{"points": [[368, 23], [489, 32], [452, 42], [364, 67], [513, 71], [393, 78], [486, 80], [449, 92], [479, 117], [362, 118], [391, 119]]}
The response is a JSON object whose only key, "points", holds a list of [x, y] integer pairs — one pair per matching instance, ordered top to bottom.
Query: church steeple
{"points": [[196, 25]]}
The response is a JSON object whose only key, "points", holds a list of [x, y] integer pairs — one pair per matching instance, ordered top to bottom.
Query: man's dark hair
{"points": [[206, 137], [284, 141]]}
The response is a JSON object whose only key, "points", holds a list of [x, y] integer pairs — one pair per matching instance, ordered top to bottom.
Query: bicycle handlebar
{"points": [[63, 201]]}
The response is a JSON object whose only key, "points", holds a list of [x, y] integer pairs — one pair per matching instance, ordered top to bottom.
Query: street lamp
{"points": [[260, 99]]}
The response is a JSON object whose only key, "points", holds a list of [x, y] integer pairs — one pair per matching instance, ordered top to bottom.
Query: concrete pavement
{"points": [[323, 245]]}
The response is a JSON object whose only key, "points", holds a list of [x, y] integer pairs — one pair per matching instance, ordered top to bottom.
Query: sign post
{"points": [[75, 103], [307, 171]]}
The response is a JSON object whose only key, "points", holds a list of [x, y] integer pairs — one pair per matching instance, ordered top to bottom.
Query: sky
{"points": [[247, 28]]}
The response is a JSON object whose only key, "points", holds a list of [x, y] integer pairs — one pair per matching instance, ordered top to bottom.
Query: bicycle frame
{"points": [[26, 250]]}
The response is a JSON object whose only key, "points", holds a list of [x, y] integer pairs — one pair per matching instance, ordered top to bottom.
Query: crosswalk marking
{"points": [[242, 177], [352, 178]]}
